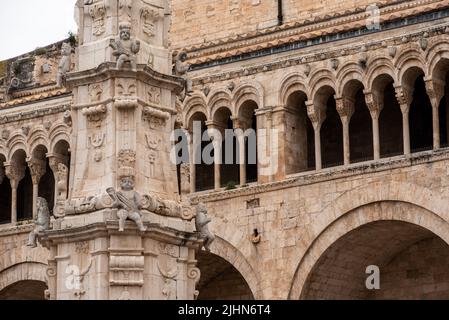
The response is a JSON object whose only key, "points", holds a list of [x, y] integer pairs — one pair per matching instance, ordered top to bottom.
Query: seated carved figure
{"points": [[125, 49], [128, 203], [201, 222], [42, 223]]}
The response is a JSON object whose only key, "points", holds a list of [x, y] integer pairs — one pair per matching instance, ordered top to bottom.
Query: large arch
{"points": [[391, 201], [229, 254], [24, 281]]}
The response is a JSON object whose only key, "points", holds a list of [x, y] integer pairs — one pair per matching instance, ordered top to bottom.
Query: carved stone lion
{"points": [[201, 223]]}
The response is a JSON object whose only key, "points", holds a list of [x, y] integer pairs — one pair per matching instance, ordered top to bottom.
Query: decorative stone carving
{"points": [[125, 10], [98, 13], [149, 18], [124, 48], [64, 64], [181, 69], [22, 73], [126, 91], [154, 95], [404, 95], [345, 106], [95, 114], [155, 117], [68, 118], [26, 130], [5, 134], [96, 141], [153, 144], [126, 163], [37, 170], [15, 174], [185, 178], [128, 203], [42, 223], [201, 223]]}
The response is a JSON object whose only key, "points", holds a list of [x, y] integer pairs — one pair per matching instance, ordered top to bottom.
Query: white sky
{"points": [[28, 24]]}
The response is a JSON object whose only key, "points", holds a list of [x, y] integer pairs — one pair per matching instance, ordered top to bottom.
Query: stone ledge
{"points": [[326, 175]]}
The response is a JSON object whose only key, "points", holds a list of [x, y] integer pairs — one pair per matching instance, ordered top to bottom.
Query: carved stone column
{"points": [[435, 90], [404, 94], [374, 102], [345, 108], [317, 115], [240, 126], [216, 133], [193, 145], [37, 170], [15, 174]]}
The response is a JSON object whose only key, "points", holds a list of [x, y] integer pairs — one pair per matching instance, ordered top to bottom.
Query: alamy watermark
{"points": [[213, 146]]}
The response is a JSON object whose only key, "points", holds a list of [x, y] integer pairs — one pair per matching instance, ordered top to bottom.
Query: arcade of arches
{"points": [[330, 129], [24, 177]]}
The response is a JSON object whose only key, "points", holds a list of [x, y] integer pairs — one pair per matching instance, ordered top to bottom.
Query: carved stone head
{"points": [[125, 31], [127, 184]]}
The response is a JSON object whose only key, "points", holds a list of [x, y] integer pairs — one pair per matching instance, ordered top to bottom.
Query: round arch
{"points": [[355, 208], [234, 257], [25, 271]]}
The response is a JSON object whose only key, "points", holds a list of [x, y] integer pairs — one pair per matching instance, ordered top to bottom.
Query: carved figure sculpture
{"points": [[125, 49], [64, 64], [181, 69], [128, 204], [42, 223], [201, 223]]}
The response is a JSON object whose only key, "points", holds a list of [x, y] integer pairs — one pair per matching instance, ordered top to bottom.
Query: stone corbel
{"points": [[125, 103], [95, 114], [155, 117]]}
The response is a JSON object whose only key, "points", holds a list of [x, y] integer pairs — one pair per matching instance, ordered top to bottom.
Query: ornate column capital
{"points": [[435, 89], [404, 95], [374, 102], [345, 106], [316, 114], [55, 159], [37, 169], [15, 173]]}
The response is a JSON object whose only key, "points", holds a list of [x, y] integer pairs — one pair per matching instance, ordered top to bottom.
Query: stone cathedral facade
{"points": [[349, 101]]}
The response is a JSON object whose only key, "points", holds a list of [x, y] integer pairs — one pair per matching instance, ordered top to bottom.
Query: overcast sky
{"points": [[28, 24]]}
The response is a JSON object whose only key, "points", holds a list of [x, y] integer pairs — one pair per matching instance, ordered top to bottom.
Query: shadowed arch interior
{"points": [[299, 138], [413, 264], [220, 280], [24, 290]]}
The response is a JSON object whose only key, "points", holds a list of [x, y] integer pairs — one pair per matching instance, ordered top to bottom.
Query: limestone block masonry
{"points": [[350, 104]]}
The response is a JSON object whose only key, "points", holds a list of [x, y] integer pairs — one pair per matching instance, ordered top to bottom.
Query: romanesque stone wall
{"points": [[292, 219]]}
